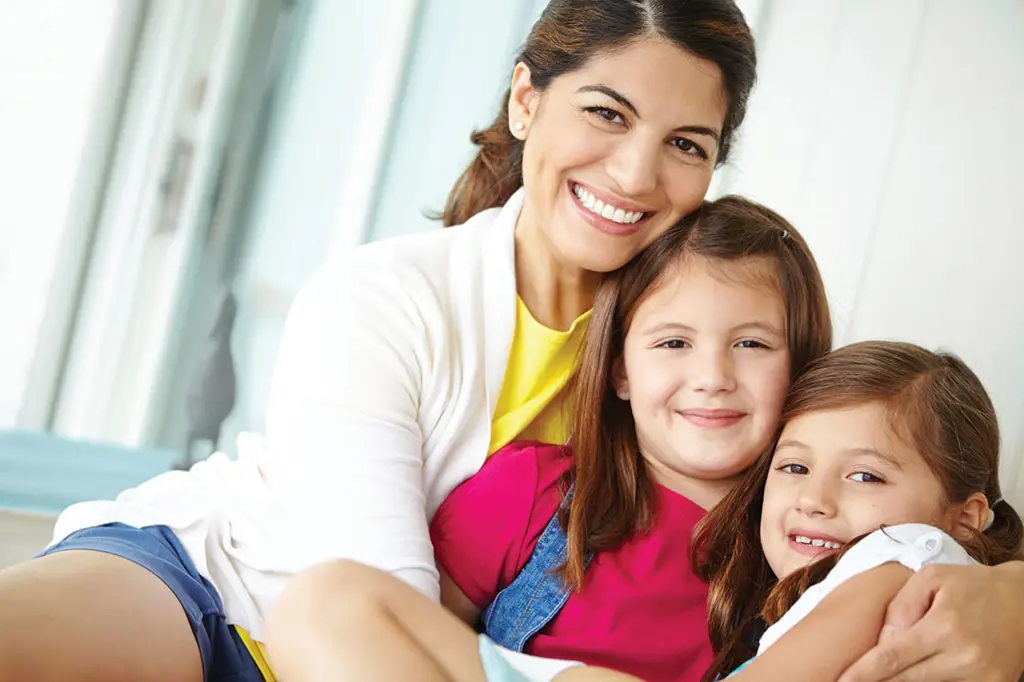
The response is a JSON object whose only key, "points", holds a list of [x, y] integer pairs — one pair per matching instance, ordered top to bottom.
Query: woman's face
{"points": [[617, 151]]}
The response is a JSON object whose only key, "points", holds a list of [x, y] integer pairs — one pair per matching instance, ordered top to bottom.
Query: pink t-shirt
{"points": [[641, 611]]}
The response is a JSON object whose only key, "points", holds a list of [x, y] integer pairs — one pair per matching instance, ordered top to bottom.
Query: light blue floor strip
{"points": [[43, 473]]}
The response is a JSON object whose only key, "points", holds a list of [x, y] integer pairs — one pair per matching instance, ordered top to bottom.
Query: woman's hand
{"points": [[951, 623]]}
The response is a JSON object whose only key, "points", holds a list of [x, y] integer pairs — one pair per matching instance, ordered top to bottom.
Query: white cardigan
{"points": [[389, 369]]}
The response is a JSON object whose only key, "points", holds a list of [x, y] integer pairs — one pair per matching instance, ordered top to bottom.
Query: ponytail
{"points": [[492, 177], [1000, 542]]}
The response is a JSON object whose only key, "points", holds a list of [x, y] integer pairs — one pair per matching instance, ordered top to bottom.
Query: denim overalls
{"points": [[535, 597]]}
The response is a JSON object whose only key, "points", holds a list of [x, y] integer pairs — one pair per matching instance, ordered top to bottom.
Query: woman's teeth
{"points": [[598, 207], [816, 542]]}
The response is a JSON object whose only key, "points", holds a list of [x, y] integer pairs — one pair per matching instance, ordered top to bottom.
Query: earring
{"points": [[518, 128]]}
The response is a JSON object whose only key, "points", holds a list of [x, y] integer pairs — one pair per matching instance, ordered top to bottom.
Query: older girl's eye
{"points": [[605, 114], [674, 343], [751, 343], [798, 469], [865, 477]]}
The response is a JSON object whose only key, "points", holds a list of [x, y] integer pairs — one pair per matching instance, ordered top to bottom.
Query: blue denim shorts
{"points": [[157, 549]]}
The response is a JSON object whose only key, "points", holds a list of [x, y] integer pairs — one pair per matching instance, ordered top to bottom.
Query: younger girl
{"points": [[883, 442], [581, 553]]}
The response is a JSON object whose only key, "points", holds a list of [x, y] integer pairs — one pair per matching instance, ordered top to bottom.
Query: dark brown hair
{"points": [[569, 33], [933, 402], [613, 494]]}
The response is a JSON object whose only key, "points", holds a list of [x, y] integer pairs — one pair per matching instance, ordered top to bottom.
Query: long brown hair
{"points": [[567, 35], [933, 402], [613, 495]]}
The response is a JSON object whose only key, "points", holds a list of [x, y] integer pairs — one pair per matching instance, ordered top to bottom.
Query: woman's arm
{"points": [[342, 424], [952, 623], [834, 634]]}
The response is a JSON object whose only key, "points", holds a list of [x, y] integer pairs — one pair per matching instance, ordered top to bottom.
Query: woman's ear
{"points": [[522, 102], [620, 382], [973, 514]]}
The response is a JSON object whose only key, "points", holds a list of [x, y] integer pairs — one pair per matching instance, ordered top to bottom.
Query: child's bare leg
{"points": [[343, 620]]}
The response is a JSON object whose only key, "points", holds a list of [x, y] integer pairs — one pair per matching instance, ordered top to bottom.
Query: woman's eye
{"points": [[606, 114], [689, 147], [674, 343], [798, 469], [865, 477]]}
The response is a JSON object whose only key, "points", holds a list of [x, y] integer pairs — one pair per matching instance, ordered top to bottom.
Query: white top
{"points": [[388, 373], [914, 545]]}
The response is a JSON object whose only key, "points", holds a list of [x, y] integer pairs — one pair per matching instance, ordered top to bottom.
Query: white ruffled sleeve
{"points": [[912, 545]]}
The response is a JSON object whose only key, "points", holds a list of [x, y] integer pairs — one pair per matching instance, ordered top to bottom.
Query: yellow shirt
{"points": [[540, 362], [530, 405]]}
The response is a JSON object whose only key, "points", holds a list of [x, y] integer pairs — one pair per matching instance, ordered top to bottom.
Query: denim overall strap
{"points": [[536, 595]]}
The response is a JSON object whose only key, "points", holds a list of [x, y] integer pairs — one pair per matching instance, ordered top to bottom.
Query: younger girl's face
{"points": [[705, 368], [837, 475]]}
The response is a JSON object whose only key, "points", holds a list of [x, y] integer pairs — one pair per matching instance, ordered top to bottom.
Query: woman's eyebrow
{"points": [[611, 92], [624, 101]]}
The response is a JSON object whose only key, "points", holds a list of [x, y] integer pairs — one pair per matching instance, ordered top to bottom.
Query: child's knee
{"points": [[326, 591]]}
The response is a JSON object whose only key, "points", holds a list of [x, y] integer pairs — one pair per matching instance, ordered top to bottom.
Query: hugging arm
{"points": [[951, 623], [834, 634]]}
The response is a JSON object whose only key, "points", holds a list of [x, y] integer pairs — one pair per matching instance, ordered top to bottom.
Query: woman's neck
{"points": [[554, 292]]}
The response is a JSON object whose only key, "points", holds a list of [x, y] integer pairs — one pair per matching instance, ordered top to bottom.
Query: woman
{"points": [[410, 360]]}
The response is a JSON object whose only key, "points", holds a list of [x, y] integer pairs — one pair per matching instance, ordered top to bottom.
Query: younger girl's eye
{"points": [[606, 114], [674, 343], [751, 343], [798, 469], [865, 477]]}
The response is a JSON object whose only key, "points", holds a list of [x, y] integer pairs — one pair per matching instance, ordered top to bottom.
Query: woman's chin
{"points": [[596, 254]]}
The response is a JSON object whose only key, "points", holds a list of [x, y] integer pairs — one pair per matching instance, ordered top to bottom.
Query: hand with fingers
{"points": [[951, 624]]}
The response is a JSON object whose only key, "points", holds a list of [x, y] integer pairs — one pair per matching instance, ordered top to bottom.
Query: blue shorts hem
{"points": [[158, 550]]}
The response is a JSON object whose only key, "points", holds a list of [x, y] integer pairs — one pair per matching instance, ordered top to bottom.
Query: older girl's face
{"points": [[617, 151], [705, 367]]}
